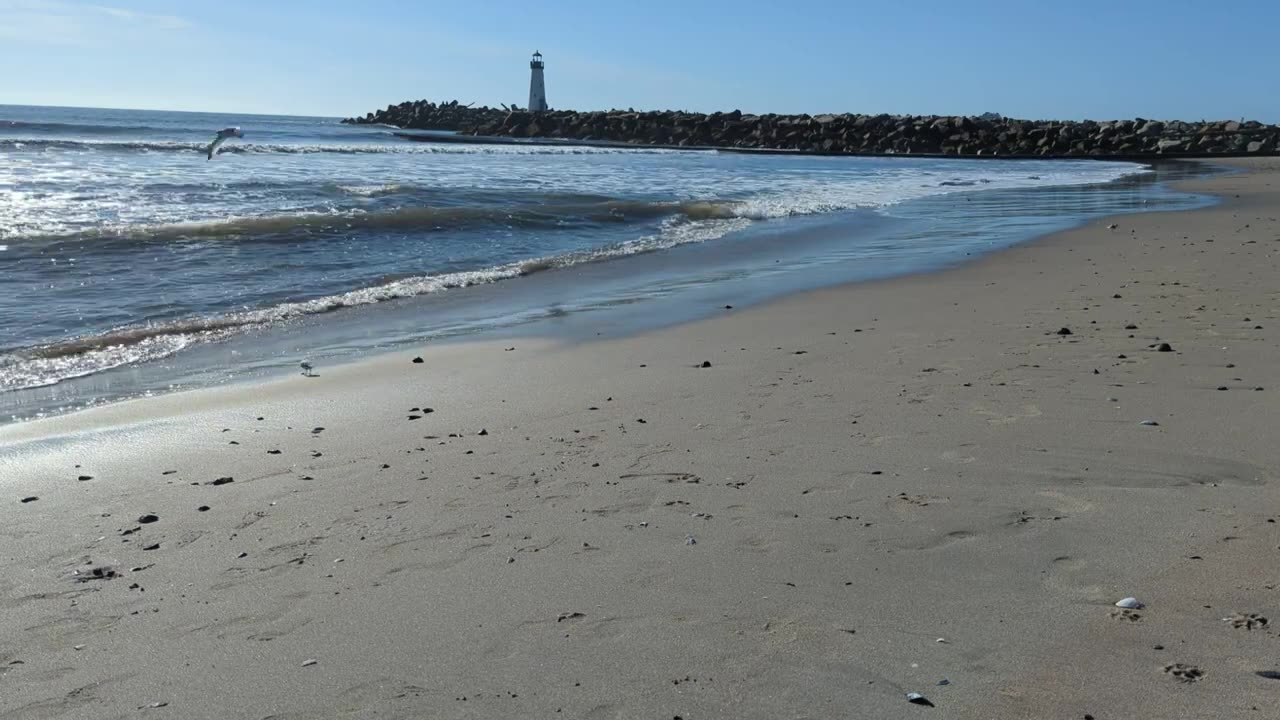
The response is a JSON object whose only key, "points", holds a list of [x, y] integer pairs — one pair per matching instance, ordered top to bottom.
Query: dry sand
{"points": [[872, 490]]}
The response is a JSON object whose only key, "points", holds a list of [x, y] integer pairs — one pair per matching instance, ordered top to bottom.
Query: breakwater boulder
{"points": [[987, 135]]}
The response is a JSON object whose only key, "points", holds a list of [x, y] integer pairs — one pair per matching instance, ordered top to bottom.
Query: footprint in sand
{"points": [[1000, 418], [957, 457], [1146, 468], [1066, 504], [926, 543], [1070, 576], [1126, 615], [1246, 621], [1184, 673]]}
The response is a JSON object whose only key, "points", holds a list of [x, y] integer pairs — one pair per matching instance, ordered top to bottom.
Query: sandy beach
{"points": [[939, 484]]}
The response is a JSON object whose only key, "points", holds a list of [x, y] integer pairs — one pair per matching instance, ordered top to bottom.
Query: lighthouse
{"points": [[537, 87]]}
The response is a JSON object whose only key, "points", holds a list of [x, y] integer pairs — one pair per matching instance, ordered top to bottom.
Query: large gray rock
{"points": [[1151, 128], [832, 133]]}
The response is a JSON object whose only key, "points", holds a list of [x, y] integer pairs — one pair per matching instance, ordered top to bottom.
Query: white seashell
{"points": [[1151, 423], [1130, 604], [918, 699]]}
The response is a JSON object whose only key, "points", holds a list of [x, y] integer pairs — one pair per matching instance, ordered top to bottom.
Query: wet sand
{"points": [[803, 510]]}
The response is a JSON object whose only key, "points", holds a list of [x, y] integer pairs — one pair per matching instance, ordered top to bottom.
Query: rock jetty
{"points": [[847, 134]]}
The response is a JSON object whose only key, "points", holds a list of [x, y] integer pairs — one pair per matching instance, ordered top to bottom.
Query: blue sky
{"points": [[1024, 58]]}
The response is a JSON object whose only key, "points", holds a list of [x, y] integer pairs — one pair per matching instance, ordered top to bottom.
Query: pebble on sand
{"points": [[1065, 331], [1164, 347], [418, 361], [705, 364], [1150, 423], [83, 478], [221, 481], [29, 498], [148, 518], [690, 540], [1130, 603], [309, 663]]}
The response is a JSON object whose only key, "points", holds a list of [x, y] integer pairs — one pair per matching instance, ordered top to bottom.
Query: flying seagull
{"points": [[222, 137]]}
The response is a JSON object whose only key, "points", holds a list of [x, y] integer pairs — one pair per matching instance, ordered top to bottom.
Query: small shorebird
{"points": [[307, 369]]}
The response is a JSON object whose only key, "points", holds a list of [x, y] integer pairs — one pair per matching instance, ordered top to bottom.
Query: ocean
{"points": [[130, 264]]}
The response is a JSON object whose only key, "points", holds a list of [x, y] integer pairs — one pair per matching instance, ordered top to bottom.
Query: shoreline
{"points": [[820, 250], [864, 470]]}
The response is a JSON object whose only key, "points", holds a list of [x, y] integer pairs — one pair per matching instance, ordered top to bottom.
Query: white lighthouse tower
{"points": [[537, 87]]}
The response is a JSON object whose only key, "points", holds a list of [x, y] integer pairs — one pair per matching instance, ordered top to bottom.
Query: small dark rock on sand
{"points": [[1065, 331], [1164, 347], [418, 361], [705, 364], [483, 432], [83, 478], [221, 481], [29, 498], [203, 508], [148, 518]]}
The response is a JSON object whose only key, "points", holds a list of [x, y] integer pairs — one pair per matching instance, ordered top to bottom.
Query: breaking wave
{"points": [[407, 148], [55, 362]]}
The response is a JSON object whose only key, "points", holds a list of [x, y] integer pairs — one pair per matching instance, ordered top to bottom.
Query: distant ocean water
{"points": [[121, 246]]}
